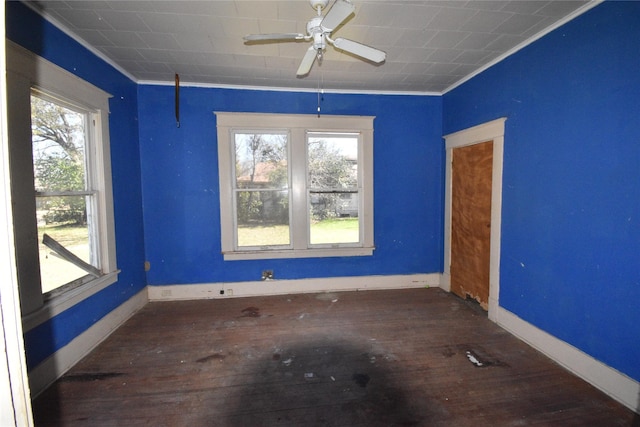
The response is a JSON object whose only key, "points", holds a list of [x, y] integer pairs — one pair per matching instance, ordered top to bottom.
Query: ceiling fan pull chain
{"points": [[318, 95]]}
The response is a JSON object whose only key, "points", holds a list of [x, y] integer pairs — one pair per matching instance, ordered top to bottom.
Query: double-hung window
{"points": [[62, 136], [61, 186], [294, 186]]}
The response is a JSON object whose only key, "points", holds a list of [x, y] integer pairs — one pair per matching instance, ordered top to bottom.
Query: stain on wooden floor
{"points": [[376, 358]]}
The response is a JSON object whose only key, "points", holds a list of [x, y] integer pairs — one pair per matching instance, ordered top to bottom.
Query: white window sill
{"points": [[300, 253], [59, 303]]}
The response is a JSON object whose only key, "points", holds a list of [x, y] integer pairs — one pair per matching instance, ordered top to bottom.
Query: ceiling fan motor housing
{"points": [[315, 30]]}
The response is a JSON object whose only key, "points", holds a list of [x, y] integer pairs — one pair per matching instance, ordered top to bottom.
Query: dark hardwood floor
{"points": [[375, 358]]}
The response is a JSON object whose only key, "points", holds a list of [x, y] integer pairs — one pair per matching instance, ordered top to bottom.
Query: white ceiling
{"points": [[430, 45]]}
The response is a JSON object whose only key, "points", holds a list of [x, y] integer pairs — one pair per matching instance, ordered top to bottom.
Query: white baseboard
{"points": [[299, 286], [62, 360], [612, 382]]}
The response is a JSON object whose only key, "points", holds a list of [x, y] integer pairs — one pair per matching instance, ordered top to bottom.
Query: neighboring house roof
{"points": [[262, 173]]}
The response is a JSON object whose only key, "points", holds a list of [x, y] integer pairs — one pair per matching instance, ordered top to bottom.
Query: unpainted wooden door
{"points": [[472, 168]]}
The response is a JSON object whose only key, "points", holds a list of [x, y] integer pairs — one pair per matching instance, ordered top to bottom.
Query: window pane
{"points": [[58, 144], [261, 161], [333, 162], [333, 188], [262, 214], [262, 218], [334, 218], [55, 219]]}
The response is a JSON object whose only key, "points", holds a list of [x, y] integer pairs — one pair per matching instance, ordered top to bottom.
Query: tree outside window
{"points": [[295, 186], [63, 194]]}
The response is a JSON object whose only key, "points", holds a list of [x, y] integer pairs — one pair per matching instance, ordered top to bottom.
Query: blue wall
{"points": [[28, 29], [571, 186], [181, 198], [571, 202]]}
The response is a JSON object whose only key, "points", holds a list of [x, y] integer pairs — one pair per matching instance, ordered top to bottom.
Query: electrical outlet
{"points": [[267, 275], [230, 292]]}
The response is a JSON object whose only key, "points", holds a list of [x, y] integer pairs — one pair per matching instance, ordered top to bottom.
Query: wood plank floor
{"points": [[375, 358]]}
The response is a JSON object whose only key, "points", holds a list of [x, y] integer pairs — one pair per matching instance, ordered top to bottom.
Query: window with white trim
{"points": [[63, 142], [61, 186], [295, 186]]}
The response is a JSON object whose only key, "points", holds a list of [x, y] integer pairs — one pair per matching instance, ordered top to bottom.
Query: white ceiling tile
{"points": [[90, 4], [485, 4], [132, 6], [523, 7], [560, 8], [263, 9], [294, 10], [379, 14], [413, 16], [450, 18], [85, 20], [122, 21], [485, 21], [518, 24], [270, 26], [239, 27], [539, 27], [383, 36], [95, 38], [124, 38], [411, 38], [446, 39], [159, 40], [477, 41], [194, 42], [505, 42], [292, 50], [118, 53], [154, 55], [415, 55], [444, 55], [471, 57], [191, 58], [281, 63], [159, 67], [443, 68], [466, 69]]}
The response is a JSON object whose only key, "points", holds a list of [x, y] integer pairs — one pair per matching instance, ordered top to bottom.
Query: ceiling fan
{"points": [[319, 30]]}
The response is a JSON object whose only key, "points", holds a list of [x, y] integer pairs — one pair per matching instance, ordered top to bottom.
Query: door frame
{"points": [[489, 131], [14, 382]]}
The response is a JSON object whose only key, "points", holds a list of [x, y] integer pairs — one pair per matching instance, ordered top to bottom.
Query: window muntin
{"points": [[333, 188], [65, 198], [350, 198]]}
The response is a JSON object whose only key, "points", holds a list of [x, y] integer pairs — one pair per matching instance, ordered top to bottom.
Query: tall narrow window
{"points": [[60, 165], [261, 193], [65, 198], [334, 208]]}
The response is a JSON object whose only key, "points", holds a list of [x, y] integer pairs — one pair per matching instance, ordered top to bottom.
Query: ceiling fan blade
{"points": [[340, 10], [268, 37], [360, 49], [307, 62]]}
